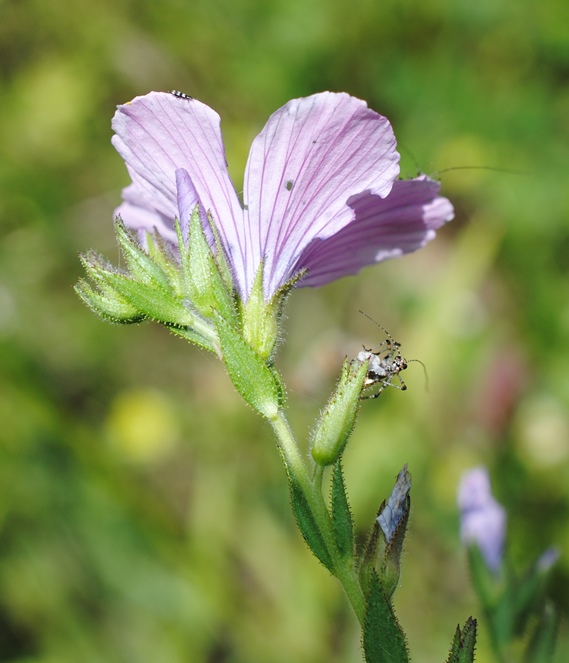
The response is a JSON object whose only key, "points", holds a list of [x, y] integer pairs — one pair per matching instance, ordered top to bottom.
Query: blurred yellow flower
{"points": [[142, 426]]}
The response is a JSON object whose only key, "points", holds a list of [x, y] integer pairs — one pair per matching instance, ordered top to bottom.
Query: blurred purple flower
{"points": [[320, 190], [483, 519]]}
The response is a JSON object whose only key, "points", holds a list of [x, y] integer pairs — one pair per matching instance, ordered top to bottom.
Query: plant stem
{"points": [[312, 489]]}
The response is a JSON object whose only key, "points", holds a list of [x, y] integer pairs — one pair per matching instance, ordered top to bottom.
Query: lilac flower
{"points": [[320, 190], [483, 519]]}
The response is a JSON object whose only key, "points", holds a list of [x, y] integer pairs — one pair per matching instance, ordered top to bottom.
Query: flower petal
{"points": [[159, 133], [313, 155], [137, 213], [383, 228]]}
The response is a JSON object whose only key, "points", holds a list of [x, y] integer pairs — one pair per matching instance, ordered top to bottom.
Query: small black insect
{"points": [[180, 95]]}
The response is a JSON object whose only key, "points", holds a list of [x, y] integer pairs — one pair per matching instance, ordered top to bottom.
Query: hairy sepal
{"points": [[256, 381]]}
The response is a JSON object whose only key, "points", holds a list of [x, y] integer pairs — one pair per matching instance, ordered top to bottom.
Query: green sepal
{"points": [[160, 251], [221, 258], [141, 266], [203, 283], [146, 298], [108, 304], [260, 318], [193, 336], [256, 381], [338, 418], [341, 515], [307, 525], [369, 556], [383, 638], [464, 643], [541, 646]]}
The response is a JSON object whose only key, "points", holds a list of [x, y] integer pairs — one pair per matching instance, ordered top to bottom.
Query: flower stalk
{"points": [[312, 490]]}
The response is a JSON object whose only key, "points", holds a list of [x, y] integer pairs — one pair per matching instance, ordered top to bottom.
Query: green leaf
{"points": [[254, 379], [341, 514], [307, 525], [383, 638], [464, 643]]}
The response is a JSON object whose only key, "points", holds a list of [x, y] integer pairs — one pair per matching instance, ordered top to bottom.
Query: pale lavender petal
{"points": [[159, 133], [312, 157], [187, 203], [138, 214], [142, 221], [383, 228], [483, 519]]}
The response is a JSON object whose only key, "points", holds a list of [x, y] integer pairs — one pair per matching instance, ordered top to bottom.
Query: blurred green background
{"points": [[143, 508]]}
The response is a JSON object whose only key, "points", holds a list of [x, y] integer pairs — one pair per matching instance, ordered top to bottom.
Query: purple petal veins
{"points": [[320, 189], [483, 519]]}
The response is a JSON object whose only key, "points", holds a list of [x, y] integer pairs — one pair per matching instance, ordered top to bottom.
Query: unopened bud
{"points": [[339, 416]]}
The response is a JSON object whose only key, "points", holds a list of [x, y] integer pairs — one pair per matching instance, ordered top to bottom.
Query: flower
{"points": [[321, 199], [483, 519]]}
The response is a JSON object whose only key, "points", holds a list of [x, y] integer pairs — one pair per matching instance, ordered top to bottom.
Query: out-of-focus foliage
{"points": [[143, 508]]}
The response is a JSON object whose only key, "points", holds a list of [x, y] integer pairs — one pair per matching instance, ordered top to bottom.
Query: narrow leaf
{"points": [[341, 514], [307, 525], [383, 638], [464, 643]]}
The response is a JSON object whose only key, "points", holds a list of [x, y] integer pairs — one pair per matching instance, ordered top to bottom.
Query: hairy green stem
{"points": [[312, 488]]}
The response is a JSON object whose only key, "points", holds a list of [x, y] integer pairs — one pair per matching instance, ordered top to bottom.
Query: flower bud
{"points": [[339, 416], [382, 553]]}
